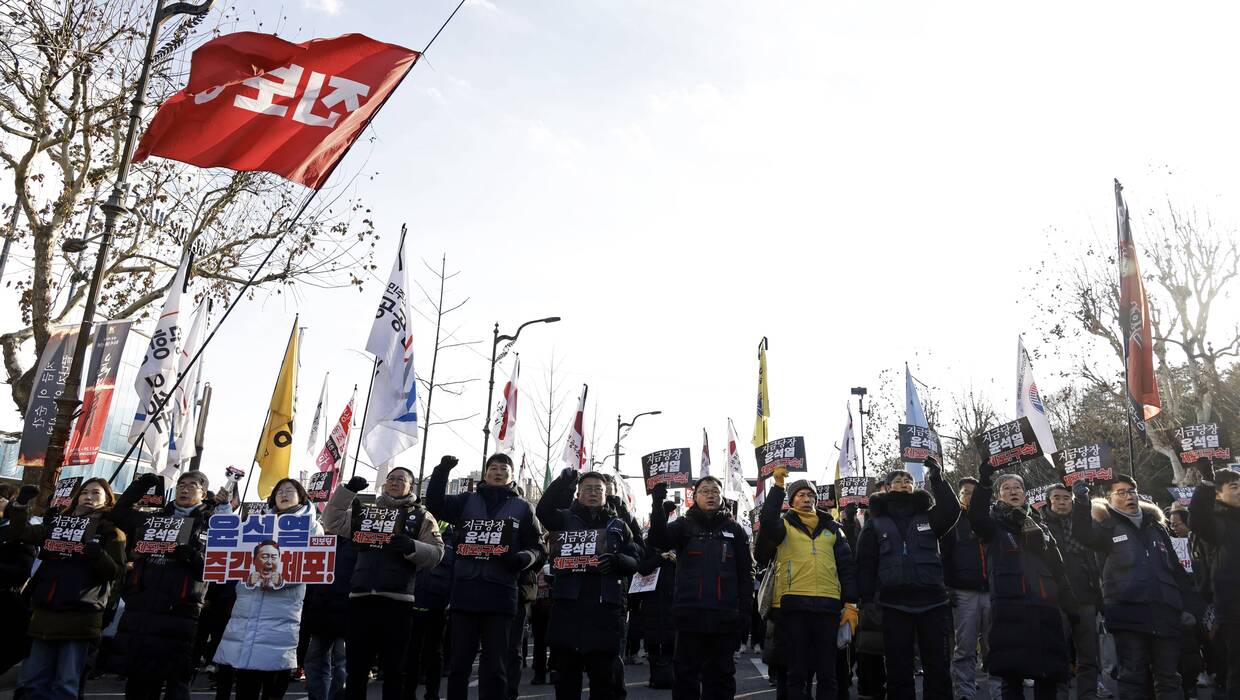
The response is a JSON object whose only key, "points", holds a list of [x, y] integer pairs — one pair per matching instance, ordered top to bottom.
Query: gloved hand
{"points": [[448, 462], [1206, 467], [933, 469], [985, 472], [569, 474], [781, 475], [149, 480], [357, 484], [1080, 490], [27, 494], [658, 495], [850, 511], [402, 543], [93, 551], [183, 553], [514, 561], [607, 563], [850, 617], [1187, 620]]}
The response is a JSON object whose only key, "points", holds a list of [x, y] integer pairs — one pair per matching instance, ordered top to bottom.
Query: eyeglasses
{"points": [[591, 489], [711, 492], [1124, 493]]}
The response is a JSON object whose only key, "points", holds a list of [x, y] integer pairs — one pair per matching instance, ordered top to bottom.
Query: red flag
{"points": [[257, 102], [1134, 317]]}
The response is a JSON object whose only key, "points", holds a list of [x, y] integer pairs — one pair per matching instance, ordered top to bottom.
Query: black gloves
{"points": [[448, 462], [1206, 467], [933, 469], [985, 472], [570, 475], [149, 480], [357, 484], [1080, 490], [27, 494], [658, 495], [850, 511], [403, 543], [93, 551], [183, 553], [514, 561], [607, 563]]}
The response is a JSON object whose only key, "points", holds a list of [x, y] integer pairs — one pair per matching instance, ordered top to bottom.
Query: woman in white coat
{"points": [[260, 641]]}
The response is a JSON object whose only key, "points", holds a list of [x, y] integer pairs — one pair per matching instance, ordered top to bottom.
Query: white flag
{"points": [[158, 372], [1029, 402], [913, 415], [318, 416], [506, 416], [391, 423], [575, 443], [181, 446], [847, 465], [705, 469], [737, 485]]}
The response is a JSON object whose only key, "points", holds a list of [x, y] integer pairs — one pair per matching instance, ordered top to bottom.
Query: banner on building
{"points": [[49, 384]]}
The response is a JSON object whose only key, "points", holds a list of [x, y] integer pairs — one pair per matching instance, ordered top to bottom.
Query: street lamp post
{"points": [[859, 392], [68, 403], [486, 426], [620, 426]]}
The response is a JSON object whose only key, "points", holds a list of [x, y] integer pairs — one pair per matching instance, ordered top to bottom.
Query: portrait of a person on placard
{"points": [[265, 568]]}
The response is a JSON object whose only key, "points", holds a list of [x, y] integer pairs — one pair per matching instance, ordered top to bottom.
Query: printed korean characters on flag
{"points": [[257, 102], [1134, 316], [158, 372], [49, 384], [1029, 401], [506, 416], [391, 424], [575, 441], [313, 442], [181, 448], [334, 450]]}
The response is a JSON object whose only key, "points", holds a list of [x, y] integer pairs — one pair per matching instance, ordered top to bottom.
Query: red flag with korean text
{"points": [[257, 102], [1134, 318]]}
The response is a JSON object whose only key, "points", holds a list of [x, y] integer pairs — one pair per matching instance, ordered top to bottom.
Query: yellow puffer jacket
{"points": [[805, 566]]}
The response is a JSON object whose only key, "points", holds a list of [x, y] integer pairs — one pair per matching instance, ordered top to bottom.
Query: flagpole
{"points": [[1126, 392], [263, 432], [357, 454]]}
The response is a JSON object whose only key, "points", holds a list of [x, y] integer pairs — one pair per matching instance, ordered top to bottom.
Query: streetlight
{"points": [[113, 208], [859, 392], [620, 425], [486, 427]]}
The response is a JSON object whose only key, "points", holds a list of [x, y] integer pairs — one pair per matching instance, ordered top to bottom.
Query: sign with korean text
{"points": [[105, 363], [49, 384], [919, 442], [1201, 442], [1009, 444], [785, 452], [1089, 462], [669, 467], [319, 487], [854, 489], [1182, 494], [63, 495], [826, 496], [1037, 496], [155, 497], [249, 508], [375, 526], [161, 534], [67, 536], [483, 539], [577, 550], [268, 551], [645, 584]]}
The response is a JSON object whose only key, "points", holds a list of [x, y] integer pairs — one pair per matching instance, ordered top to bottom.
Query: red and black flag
{"points": [[1134, 317]]}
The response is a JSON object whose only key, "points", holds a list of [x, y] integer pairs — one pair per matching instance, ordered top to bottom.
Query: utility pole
{"points": [[859, 392]]}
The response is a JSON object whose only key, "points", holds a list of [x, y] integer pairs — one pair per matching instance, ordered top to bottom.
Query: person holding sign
{"points": [[1214, 518], [497, 537], [592, 550], [83, 556], [1081, 568], [900, 570], [964, 572], [384, 578], [815, 584], [714, 589], [1028, 589], [163, 592], [1145, 592]]}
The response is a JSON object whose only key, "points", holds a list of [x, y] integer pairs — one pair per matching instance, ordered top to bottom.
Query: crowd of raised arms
{"points": [[964, 586]]}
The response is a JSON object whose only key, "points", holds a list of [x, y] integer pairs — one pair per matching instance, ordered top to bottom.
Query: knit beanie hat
{"points": [[800, 485]]}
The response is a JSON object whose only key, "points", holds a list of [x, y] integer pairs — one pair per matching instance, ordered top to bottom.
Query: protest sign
{"points": [[919, 442], [1201, 442], [1010, 443], [786, 452], [1091, 463], [669, 467], [320, 487], [854, 489], [1181, 494], [63, 495], [826, 496], [1037, 496], [155, 497], [249, 508], [375, 526], [161, 534], [67, 536], [483, 539], [577, 550], [268, 551], [1183, 553], [645, 584]]}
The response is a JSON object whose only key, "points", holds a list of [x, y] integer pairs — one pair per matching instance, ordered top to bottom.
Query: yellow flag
{"points": [[764, 401], [276, 447]]}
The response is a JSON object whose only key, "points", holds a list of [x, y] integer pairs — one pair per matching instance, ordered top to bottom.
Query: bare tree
{"points": [[550, 401], [972, 415]]}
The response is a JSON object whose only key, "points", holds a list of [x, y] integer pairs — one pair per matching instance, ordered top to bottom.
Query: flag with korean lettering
{"points": [[257, 102], [158, 372], [390, 425], [181, 447], [331, 457]]}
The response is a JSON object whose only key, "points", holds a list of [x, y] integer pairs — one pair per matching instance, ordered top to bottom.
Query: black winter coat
{"points": [[1217, 526], [964, 558], [16, 559], [1081, 568], [714, 569], [433, 586], [1027, 587], [656, 608], [326, 610]]}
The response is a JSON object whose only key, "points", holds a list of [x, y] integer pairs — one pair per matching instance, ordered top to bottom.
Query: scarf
{"points": [[1022, 520], [1068, 541]]}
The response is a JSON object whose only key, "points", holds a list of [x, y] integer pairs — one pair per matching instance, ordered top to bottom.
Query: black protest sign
{"points": [[919, 442], [1201, 442], [1010, 443], [786, 452], [1089, 462], [669, 467], [320, 487], [854, 489], [1181, 494], [63, 495], [826, 496], [1037, 496], [155, 497], [249, 508], [375, 525], [161, 534], [67, 536], [483, 539], [577, 550]]}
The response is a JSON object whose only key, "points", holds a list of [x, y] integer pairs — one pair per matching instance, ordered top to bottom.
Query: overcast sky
{"points": [[864, 183]]}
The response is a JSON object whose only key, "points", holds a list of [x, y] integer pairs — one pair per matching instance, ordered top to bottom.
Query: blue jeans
{"points": [[325, 668], [53, 671]]}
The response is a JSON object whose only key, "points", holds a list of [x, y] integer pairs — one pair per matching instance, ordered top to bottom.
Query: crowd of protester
{"points": [[967, 589]]}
